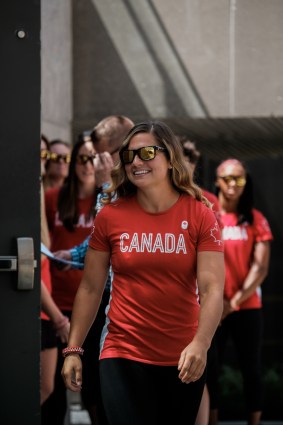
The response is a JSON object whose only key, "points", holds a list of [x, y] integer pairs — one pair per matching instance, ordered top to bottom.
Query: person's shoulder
{"points": [[210, 196], [194, 204], [116, 205], [257, 215], [259, 219], [261, 225]]}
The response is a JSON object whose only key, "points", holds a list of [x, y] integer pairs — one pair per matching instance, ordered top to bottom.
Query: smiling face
{"points": [[85, 170], [147, 173], [231, 177]]}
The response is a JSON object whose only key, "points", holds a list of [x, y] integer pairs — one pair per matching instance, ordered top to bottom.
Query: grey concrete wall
{"points": [[232, 50], [160, 59], [164, 59], [56, 69]]}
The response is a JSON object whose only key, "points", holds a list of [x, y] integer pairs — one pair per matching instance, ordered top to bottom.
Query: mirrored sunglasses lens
{"points": [[147, 153], [44, 154], [55, 157], [128, 157], [83, 159], [227, 179], [240, 181]]}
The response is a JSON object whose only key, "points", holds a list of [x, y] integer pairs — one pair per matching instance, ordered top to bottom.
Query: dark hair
{"points": [[45, 140], [180, 176], [68, 195], [246, 201], [245, 205]]}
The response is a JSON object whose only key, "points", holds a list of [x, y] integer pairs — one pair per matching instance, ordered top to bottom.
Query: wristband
{"points": [[72, 350]]}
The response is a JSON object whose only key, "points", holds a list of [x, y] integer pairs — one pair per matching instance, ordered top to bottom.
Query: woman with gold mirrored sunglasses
{"points": [[57, 166], [246, 236], [153, 340]]}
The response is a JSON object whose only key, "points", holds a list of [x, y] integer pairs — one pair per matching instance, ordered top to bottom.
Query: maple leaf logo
{"points": [[214, 230], [92, 232]]}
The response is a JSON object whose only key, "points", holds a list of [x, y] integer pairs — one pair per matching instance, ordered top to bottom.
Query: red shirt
{"points": [[215, 205], [239, 241], [46, 278], [65, 283], [154, 307]]}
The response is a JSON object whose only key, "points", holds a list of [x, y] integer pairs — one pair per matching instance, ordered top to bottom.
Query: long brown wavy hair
{"points": [[181, 177], [68, 195]]}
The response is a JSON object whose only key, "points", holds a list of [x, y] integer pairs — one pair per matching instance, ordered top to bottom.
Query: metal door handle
{"points": [[24, 263]]}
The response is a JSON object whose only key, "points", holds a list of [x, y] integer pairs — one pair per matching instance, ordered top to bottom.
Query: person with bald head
{"points": [[107, 137], [246, 235]]}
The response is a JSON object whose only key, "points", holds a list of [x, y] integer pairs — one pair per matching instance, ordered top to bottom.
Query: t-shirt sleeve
{"points": [[261, 227], [209, 238], [99, 239]]}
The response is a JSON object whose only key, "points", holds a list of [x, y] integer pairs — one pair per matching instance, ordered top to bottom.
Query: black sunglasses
{"points": [[146, 153], [57, 157], [83, 159]]}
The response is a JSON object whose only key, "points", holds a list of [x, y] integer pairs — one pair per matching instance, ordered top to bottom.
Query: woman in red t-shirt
{"points": [[69, 212], [246, 235], [161, 238], [52, 320]]}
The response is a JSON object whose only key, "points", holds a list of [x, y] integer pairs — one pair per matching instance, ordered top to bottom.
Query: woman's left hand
{"points": [[192, 362]]}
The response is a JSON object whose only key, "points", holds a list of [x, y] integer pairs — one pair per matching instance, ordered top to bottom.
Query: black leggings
{"points": [[245, 327], [137, 393], [54, 409]]}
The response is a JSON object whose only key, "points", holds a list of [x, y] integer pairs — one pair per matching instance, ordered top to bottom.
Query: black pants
{"points": [[245, 327], [137, 393], [53, 411]]}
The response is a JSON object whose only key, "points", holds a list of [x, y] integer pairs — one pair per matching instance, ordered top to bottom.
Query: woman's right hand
{"points": [[72, 372]]}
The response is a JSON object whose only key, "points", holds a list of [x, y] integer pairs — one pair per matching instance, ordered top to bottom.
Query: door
{"points": [[19, 211]]}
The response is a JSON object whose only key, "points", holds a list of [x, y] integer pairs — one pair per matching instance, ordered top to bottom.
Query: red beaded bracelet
{"points": [[72, 350]]}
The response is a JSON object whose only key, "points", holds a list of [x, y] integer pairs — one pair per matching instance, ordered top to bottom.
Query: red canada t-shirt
{"points": [[239, 241], [66, 283], [153, 310]]}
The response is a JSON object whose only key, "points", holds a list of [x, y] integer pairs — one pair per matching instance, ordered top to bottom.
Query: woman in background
{"points": [[57, 166], [70, 212], [246, 236], [52, 320]]}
